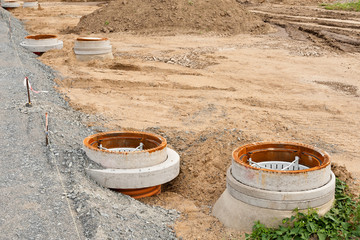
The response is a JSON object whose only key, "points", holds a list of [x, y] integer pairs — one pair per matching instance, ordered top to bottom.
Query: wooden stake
{"points": [[28, 92], [46, 129]]}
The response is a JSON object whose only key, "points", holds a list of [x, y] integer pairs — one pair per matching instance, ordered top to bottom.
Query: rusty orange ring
{"points": [[41, 36], [91, 39], [93, 139], [241, 154], [140, 192]]}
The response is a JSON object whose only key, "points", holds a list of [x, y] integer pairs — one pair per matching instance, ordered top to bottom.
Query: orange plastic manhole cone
{"points": [[141, 192]]}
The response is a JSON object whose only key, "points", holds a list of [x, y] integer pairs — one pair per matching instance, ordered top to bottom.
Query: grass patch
{"points": [[351, 6], [341, 222]]}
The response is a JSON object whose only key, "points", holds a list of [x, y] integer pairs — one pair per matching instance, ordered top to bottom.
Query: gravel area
{"points": [[44, 191]]}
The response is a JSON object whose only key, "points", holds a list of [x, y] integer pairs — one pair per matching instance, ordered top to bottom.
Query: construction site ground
{"points": [[210, 93]]}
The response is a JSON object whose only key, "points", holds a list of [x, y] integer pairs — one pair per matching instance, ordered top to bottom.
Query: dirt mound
{"points": [[288, 2], [184, 16], [330, 29], [205, 158], [344, 175]]}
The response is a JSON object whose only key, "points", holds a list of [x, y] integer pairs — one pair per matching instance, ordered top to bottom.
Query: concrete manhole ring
{"points": [[10, 4], [30, 4], [41, 43], [87, 48], [98, 149], [136, 163], [246, 170], [139, 177], [268, 180], [281, 200]]}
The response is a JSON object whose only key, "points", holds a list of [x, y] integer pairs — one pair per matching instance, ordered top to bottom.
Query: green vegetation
{"points": [[351, 6], [107, 23], [341, 222]]}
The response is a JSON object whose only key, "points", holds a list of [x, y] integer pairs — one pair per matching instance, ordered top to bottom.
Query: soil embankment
{"points": [[172, 17], [337, 30]]}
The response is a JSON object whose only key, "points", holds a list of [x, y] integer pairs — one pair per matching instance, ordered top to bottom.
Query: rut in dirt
{"points": [[335, 30]]}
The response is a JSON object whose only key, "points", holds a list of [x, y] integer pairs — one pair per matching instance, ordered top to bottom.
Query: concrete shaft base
{"points": [[10, 4], [30, 4], [42, 45], [139, 177], [241, 216]]}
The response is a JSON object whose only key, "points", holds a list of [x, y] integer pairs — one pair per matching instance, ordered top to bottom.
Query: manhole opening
{"points": [[41, 37], [91, 39], [126, 142], [123, 149], [280, 157], [279, 165]]}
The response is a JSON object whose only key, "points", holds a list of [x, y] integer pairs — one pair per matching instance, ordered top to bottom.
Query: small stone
{"points": [[104, 214]]}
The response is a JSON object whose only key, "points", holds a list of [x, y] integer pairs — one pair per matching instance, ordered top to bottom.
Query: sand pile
{"points": [[160, 16]]}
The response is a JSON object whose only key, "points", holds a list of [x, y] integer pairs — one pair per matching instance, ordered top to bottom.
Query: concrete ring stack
{"points": [[39, 44], [88, 48], [135, 163], [268, 180]]}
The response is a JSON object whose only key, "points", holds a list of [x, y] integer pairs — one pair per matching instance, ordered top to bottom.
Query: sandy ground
{"points": [[208, 95]]}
